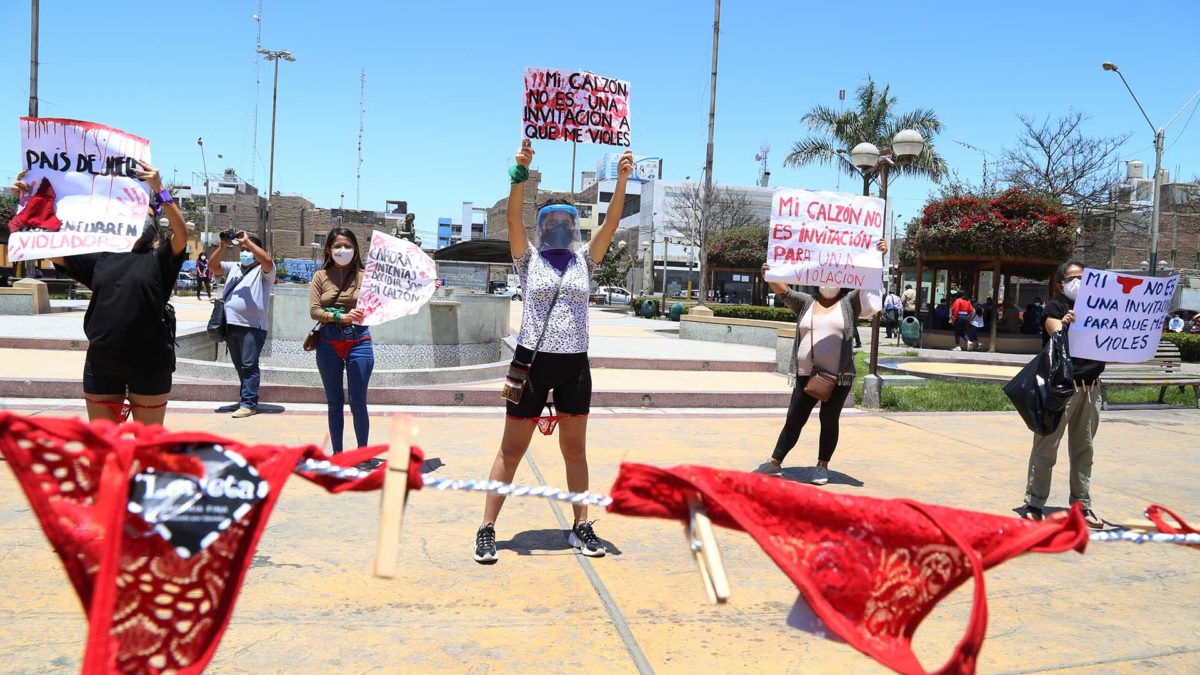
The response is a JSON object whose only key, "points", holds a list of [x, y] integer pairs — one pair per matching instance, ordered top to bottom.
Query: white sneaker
{"points": [[956, 349], [820, 475]]}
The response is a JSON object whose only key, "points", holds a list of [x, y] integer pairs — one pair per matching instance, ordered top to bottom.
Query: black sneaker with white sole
{"points": [[584, 538], [485, 545]]}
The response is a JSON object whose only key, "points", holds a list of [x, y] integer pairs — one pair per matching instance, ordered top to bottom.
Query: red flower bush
{"points": [[1011, 224]]}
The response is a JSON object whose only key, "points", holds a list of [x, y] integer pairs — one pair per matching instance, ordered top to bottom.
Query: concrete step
{"points": [[655, 394]]}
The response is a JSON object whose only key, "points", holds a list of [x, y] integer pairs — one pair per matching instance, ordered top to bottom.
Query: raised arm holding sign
{"points": [[86, 194]]}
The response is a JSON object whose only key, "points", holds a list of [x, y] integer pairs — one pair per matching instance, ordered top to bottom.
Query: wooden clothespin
{"points": [[395, 496], [703, 543]]}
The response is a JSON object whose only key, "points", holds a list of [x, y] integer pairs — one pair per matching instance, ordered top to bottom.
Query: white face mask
{"points": [[343, 256], [1071, 288], [830, 292]]}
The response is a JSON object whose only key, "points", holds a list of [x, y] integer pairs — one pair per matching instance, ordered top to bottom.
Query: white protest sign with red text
{"points": [[575, 106], [85, 198], [825, 239], [399, 279], [1119, 317]]}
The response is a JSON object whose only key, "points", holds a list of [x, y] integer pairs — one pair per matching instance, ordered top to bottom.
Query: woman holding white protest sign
{"points": [[129, 325], [342, 345], [551, 353], [822, 365], [1081, 417]]}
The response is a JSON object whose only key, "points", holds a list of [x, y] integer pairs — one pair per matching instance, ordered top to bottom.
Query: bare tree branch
{"points": [[1056, 157]]}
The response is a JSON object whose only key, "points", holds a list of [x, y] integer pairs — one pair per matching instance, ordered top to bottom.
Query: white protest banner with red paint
{"points": [[575, 106], [85, 198], [825, 239], [399, 279], [1119, 317]]}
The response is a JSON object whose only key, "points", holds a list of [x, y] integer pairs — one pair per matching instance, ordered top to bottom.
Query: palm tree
{"points": [[874, 121]]}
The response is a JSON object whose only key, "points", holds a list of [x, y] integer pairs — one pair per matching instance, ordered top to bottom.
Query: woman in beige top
{"points": [[825, 328], [344, 345]]}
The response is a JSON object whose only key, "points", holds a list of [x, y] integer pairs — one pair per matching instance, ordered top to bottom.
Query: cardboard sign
{"points": [[575, 106], [85, 198], [825, 239], [398, 280], [1119, 317], [191, 512]]}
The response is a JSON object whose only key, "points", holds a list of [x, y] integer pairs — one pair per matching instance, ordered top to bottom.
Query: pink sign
{"points": [[399, 279]]}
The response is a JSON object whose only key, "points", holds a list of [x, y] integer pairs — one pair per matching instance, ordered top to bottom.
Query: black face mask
{"points": [[149, 234], [559, 236]]}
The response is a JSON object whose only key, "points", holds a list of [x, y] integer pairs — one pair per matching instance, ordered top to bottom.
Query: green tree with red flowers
{"points": [[1013, 223]]}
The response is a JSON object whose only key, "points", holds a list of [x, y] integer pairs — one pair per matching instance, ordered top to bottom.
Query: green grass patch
{"points": [[1150, 395], [941, 396]]}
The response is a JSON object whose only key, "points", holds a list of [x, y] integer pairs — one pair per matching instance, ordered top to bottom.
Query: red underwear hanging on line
{"points": [[871, 569], [149, 608]]}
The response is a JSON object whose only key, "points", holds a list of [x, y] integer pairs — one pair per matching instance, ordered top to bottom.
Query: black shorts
{"points": [[568, 375], [105, 377]]}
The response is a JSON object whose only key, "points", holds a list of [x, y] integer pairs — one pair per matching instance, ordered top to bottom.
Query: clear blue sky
{"points": [[444, 83]]}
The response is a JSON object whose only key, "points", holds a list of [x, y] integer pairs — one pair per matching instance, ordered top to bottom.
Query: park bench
{"points": [[65, 287], [1165, 370]]}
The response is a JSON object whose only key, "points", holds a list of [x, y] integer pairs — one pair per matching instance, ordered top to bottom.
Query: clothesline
{"points": [[326, 468]]}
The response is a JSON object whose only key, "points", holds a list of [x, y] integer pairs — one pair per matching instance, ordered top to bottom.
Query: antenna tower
{"points": [[257, 85], [362, 114], [765, 174]]}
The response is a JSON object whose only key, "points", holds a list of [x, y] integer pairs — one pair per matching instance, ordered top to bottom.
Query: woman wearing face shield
{"points": [[555, 272], [825, 329], [130, 330], [344, 345], [1081, 418]]}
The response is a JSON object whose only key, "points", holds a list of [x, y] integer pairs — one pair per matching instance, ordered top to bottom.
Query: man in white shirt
{"points": [[247, 295]]}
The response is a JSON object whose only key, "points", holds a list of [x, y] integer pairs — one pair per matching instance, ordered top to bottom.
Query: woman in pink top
{"points": [[825, 328]]}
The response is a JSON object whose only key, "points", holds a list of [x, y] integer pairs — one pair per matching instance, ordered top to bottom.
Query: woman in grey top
{"points": [[825, 328]]}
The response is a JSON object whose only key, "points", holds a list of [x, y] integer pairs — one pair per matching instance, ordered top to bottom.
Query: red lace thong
{"points": [[342, 347], [121, 410], [1155, 513], [871, 569], [160, 593]]}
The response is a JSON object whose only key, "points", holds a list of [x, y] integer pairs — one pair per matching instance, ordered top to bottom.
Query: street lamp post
{"points": [[275, 57], [33, 59], [1159, 135], [868, 160], [207, 196], [666, 262]]}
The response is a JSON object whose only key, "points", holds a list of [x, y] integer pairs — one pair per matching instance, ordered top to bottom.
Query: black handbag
{"points": [[217, 328], [1041, 390]]}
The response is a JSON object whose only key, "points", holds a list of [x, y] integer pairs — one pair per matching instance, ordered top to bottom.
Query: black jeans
{"points": [[960, 330], [798, 411]]}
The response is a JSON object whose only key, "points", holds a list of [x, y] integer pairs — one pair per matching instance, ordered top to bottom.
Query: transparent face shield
{"points": [[558, 228]]}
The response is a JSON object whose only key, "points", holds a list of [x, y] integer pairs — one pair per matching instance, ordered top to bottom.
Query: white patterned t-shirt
{"points": [[567, 329]]}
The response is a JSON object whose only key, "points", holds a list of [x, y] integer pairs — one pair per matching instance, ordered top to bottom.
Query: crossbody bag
{"points": [[217, 328], [518, 373], [820, 383]]}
